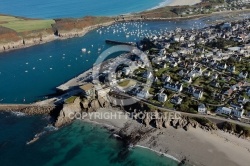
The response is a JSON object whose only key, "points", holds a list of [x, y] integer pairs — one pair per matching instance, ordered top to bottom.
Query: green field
{"points": [[21, 25], [126, 83], [70, 99]]}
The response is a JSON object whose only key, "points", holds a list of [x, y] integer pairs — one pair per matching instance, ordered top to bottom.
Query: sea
{"points": [[76, 8], [32, 74]]}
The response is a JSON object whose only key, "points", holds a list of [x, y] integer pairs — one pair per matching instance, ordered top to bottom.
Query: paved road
{"points": [[217, 118]]}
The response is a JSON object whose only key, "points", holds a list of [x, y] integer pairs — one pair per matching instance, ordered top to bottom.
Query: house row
{"points": [[237, 112]]}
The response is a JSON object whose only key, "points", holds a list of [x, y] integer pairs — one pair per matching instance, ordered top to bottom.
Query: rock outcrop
{"points": [[73, 110], [68, 113]]}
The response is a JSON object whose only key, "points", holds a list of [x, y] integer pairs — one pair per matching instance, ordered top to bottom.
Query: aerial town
{"points": [[202, 71], [162, 82]]}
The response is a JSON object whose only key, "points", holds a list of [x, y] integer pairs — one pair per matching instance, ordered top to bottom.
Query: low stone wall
{"points": [[28, 109]]}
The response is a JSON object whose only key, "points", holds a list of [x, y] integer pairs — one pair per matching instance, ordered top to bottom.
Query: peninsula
{"points": [[17, 32], [189, 90]]}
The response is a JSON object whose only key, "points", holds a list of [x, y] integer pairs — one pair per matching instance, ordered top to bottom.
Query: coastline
{"points": [[182, 3], [79, 33], [66, 35], [194, 147], [224, 152], [160, 153]]}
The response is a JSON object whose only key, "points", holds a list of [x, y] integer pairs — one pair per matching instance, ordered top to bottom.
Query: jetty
{"points": [[120, 42], [30, 109]]}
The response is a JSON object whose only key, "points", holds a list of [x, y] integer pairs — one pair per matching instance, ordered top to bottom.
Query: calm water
{"points": [[75, 8], [32, 73], [77, 144]]}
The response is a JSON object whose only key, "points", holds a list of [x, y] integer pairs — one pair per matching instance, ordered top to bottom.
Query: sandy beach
{"points": [[183, 2], [199, 147]]}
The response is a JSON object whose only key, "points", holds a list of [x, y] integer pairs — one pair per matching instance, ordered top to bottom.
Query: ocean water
{"points": [[76, 8], [33, 73], [29, 74], [77, 144]]}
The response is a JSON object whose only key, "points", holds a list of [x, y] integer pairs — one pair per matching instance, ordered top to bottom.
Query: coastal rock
{"points": [[102, 101], [85, 104], [94, 104], [68, 113], [146, 120], [166, 123], [187, 127]]}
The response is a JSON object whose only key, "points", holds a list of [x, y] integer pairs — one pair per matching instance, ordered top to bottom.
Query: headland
{"points": [[18, 32]]}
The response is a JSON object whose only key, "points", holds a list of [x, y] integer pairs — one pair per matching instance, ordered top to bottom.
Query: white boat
{"points": [[84, 50]]}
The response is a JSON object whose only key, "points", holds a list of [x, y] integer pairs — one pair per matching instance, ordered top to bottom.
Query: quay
{"points": [[119, 42], [30, 109]]}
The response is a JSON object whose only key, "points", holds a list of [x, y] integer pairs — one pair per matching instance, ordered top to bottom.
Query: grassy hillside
{"points": [[21, 24]]}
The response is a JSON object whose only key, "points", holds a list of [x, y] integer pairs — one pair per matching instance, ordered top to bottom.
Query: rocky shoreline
{"points": [[57, 33], [25, 43], [141, 114], [159, 133]]}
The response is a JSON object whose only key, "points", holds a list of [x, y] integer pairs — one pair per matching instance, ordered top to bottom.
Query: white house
{"points": [[178, 38], [173, 64], [192, 64], [222, 66], [126, 70], [183, 72], [194, 73], [207, 73], [148, 74], [243, 74], [215, 76], [167, 79], [187, 79], [177, 87], [144, 94], [198, 94], [162, 97], [242, 99], [176, 100], [237, 106], [202, 109], [224, 110], [238, 112]]}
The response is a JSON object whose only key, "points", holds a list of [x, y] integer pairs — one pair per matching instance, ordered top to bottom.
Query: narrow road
{"points": [[185, 113]]}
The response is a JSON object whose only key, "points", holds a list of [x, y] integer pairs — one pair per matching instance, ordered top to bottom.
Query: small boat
{"points": [[84, 50]]}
